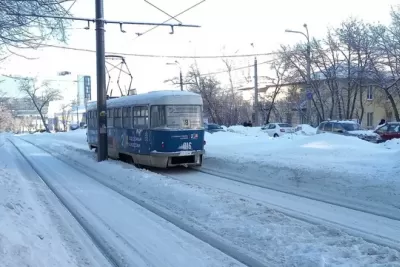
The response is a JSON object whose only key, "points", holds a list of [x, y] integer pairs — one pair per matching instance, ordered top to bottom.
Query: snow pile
{"points": [[305, 129], [247, 131], [392, 144], [321, 151]]}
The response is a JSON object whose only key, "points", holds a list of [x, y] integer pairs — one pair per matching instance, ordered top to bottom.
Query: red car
{"points": [[388, 131]]}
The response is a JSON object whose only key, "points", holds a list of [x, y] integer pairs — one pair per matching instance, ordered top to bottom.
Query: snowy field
{"points": [[257, 217]]}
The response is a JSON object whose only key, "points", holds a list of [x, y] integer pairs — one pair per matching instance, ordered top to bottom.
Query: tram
{"points": [[157, 129]]}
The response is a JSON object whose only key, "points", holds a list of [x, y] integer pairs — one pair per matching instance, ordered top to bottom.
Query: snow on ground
{"points": [[320, 151], [332, 167], [253, 227], [32, 233], [133, 235]]}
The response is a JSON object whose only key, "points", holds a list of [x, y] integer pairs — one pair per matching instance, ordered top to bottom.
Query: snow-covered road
{"points": [[268, 226], [35, 228], [375, 228], [127, 234]]}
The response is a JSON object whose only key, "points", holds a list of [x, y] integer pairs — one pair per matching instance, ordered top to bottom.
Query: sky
{"points": [[227, 27]]}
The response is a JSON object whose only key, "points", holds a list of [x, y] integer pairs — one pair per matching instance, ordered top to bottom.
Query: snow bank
{"points": [[305, 129], [248, 131], [392, 144], [317, 151]]}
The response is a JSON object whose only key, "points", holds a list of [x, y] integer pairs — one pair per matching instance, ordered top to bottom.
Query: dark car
{"points": [[213, 128], [388, 131]]}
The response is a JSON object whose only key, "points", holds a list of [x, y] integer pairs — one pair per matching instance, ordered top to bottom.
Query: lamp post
{"points": [[308, 71], [180, 72]]}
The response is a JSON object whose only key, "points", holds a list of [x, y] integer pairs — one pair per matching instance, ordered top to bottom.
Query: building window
{"points": [[370, 92], [370, 119]]}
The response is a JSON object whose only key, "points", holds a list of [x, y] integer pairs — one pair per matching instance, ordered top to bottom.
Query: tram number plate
{"points": [[186, 122], [186, 153]]}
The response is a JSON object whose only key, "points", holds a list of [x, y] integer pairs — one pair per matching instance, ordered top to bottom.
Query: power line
{"points": [[174, 17], [121, 23], [157, 56], [235, 69]]}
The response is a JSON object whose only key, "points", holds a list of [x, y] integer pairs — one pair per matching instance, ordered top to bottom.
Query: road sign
{"points": [[87, 85]]}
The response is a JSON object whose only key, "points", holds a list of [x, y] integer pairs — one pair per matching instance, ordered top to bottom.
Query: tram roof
{"points": [[167, 97]]}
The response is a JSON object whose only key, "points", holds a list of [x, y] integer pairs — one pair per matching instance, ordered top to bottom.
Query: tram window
{"points": [[157, 116], [184, 116], [140, 117], [118, 118], [110, 120], [127, 121]]}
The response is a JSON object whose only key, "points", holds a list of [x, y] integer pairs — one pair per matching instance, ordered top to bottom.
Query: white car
{"points": [[277, 129]]}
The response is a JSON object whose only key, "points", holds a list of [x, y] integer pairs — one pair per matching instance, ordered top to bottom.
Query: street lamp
{"points": [[308, 70], [180, 72]]}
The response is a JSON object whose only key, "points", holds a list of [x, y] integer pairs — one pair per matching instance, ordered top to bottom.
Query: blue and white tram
{"points": [[159, 129]]}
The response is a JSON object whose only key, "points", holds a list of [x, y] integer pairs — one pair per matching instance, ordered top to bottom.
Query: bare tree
{"points": [[18, 31], [385, 60], [39, 95], [268, 101], [6, 118]]}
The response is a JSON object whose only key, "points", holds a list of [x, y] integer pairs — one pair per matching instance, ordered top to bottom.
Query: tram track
{"points": [[285, 203], [352, 204], [389, 212], [209, 238], [377, 238], [97, 240]]}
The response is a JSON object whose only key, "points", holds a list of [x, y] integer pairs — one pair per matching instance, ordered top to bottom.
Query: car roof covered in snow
{"points": [[167, 97], [340, 121]]}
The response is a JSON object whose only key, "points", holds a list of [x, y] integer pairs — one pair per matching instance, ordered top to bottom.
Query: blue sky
{"points": [[227, 26]]}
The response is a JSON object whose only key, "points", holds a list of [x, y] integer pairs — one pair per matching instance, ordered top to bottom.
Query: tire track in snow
{"points": [[351, 206], [375, 238], [96, 239]]}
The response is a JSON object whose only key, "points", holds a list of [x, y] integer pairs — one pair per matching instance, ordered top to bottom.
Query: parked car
{"points": [[213, 128], [347, 128], [278, 129], [388, 131]]}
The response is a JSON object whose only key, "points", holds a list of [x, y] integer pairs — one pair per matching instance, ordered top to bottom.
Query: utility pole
{"points": [[176, 63], [308, 72], [181, 79], [308, 90], [256, 122], [102, 149]]}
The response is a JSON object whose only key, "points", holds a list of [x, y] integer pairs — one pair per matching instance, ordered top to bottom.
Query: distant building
{"points": [[24, 110]]}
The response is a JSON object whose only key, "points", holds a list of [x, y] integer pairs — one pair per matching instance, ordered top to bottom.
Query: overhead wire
{"points": [[158, 56]]}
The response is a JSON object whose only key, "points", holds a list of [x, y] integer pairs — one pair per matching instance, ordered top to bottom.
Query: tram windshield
{"points": [[176, 117]]}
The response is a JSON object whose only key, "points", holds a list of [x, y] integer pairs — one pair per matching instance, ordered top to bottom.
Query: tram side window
{"points": [[157, 116], [140, 117], [94, 118], [118, 118], [126, 118], [91, 119], [110, 120]]}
